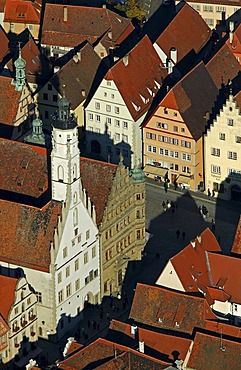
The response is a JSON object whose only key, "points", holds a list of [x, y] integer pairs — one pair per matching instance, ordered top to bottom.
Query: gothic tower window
{"points": [[75, 172], [60, 174], [75, 197], [75, 217]]}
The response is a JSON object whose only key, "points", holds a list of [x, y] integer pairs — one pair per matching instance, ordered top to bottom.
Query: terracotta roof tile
{"points": [[2, 5], [21, 11], [94, 23], [185, 32], [3, 44], [223, 66], [77, 75], [145, 75], [193, 96], [10, 97], [24, 168], [98, 190], [30, 226], [236, 247], [191, 265], [228, 269], [7, 293], [184, 311], [156, 344], [212, 353], [103, 354]]}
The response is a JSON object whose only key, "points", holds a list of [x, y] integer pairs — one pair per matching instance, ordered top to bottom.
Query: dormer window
{"points": [[21, 15]]}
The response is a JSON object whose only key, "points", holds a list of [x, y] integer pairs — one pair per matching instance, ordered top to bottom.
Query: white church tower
{"points": [[65, 154], [75, 256]]}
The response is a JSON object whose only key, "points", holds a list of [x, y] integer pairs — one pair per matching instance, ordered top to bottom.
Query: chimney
{"points": [[104, 6], [65, 13], [231, 29], [110, 35], [79, 55], [173, 55], [75, 58], [125, 60], [56, 69], [83, 92], [199, 239], [193, 243], [133, 329], [142, 346]]}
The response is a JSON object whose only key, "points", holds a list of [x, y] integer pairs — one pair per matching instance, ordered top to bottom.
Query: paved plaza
{"points": [[162, 245]]}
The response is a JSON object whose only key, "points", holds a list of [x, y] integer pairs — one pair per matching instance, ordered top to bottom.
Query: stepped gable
{"points": [[29, 13], [187, 31], [71, 32], [223, 67], [145, 74], [193, 96], [10, 97], [24, 168], [97, 178], [27, 242], [236, 247], [190, 264], [7, 294], [184, 312], [212, 353], [106, 355]]}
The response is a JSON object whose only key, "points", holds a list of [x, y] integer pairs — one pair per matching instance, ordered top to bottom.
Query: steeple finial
{"points": [[20, 65], [63, 118]]}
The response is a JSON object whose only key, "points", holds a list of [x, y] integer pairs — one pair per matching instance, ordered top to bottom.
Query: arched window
{"points": [[95, 147], [75, 172], [60, 174], [75, 197], [75, 217]]}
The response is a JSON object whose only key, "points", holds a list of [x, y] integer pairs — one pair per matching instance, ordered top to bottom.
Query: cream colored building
{"points": [[213, 12], [222, 152], [123, 227]]}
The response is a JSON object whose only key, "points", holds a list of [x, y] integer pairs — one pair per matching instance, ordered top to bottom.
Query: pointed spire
{"points": [[20, 65], [63, 118]]}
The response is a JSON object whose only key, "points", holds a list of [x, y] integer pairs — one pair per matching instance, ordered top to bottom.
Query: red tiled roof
{"points": [[2, 5], [21, 11], [94, 23], [185, 32], [3, 44], [235, 45], [36, 63], [223, 66], [145, 73], [77, 75], [192, 96], [10, 97], [24, 168], [97, 190], [31, 227], [236, 247], [191, 265], [228, 269], [7, 294], [217, 294], [183, 314], [162, 343], [104, 352], [212, 353]]}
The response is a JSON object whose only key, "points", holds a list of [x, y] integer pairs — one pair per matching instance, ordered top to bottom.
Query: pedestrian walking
{"points": [[175, 184], [165, 186], [209, 193], [213, 193], [164, 205], [178, 233], [183, 235]]}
